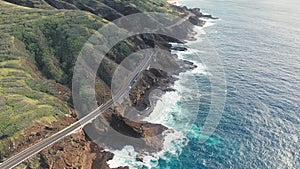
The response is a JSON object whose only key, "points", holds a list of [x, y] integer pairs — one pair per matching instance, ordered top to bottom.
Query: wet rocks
{"points": [[195, 20], [178, 48]]}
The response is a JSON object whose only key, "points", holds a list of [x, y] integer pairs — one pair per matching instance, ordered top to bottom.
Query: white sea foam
{"points": [[209, 22], [201, 68], [168, 113], [172, 138], [175, 139], [123, 157]]}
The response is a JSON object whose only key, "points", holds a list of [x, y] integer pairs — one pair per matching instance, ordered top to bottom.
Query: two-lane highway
{"points": [[33, 150]]}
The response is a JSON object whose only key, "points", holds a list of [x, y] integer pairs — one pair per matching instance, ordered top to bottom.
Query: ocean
{"points": [[256, 47]]}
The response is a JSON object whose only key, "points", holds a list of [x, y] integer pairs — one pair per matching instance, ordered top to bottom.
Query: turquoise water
{"points": [[258, 43]]}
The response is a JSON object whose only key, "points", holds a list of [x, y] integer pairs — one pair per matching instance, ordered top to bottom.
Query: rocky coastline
{"points": [[156, 79], [66, 153]]}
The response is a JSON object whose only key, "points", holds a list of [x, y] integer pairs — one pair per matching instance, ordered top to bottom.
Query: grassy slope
{"points": [[26, 96]]}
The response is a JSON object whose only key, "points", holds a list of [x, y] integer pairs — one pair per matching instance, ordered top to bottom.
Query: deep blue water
{"points": [[258, 43]]}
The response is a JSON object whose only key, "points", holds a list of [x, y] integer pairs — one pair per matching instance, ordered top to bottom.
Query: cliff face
{"points": [[40, 41]]}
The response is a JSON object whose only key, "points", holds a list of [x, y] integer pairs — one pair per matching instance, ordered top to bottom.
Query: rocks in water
{"points": [[197, 12], [209, 16], [195, 20], [179, 48], [169, 90], [132, 128], [139, 158]]}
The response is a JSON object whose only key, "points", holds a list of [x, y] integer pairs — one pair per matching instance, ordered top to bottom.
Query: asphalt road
{"points": [[33, 150]]}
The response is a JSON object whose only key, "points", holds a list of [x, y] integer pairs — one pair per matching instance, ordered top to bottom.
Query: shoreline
{"points": [[171, 135], [173, 140]]}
